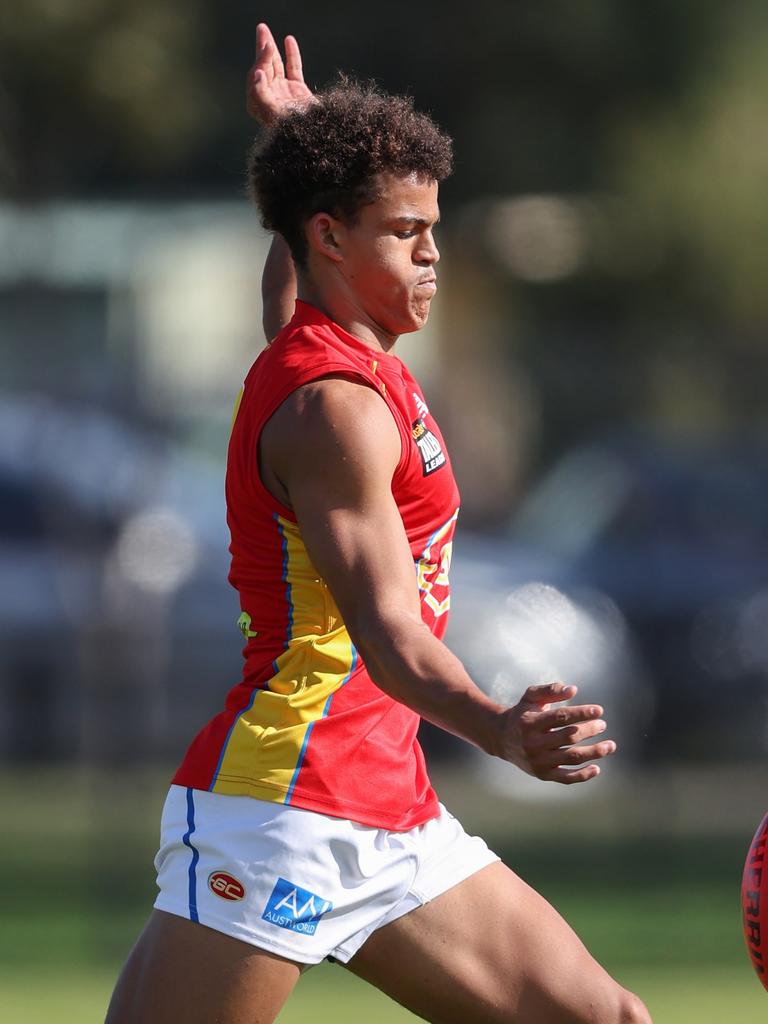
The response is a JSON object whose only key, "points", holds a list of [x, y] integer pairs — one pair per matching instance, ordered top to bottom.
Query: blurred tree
{"points": [[97, 92], [642, 118], [701, 170]]}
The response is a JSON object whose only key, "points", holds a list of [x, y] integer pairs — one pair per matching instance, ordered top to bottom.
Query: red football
{"points": [[754, 901]]}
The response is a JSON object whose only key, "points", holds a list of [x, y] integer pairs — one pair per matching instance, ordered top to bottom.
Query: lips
{"points": [[428, 284]]}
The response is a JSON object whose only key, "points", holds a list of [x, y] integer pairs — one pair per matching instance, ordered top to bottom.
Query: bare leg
{"points": [[492, 951], [182, 971]]}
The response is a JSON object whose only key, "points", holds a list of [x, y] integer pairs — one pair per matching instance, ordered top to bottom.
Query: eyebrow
{"points": [[407, 219]]}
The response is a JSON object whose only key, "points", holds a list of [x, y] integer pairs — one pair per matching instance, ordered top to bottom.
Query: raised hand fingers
{"points": [[262, 35], [268, 57], [293, 69], [269, 93]]}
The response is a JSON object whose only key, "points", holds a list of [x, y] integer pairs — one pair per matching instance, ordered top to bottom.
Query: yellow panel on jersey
{"points": [[236, 408], [266, 746]]}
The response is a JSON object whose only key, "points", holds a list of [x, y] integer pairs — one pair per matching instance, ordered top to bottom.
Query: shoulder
{"points": [[297, 339], [305, 352], [337, 397], [334, 420]]}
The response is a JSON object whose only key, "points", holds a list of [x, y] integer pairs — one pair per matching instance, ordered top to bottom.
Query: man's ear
{"points": [[324, 235]]}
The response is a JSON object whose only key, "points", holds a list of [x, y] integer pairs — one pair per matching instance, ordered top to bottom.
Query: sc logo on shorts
{"points": [[226, 886]]}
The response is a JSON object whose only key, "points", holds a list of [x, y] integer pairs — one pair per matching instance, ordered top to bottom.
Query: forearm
{"points": [[278, 288], [410, 664]]}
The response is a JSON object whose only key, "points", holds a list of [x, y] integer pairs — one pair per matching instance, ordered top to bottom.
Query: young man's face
{"points": [[389, 254]]}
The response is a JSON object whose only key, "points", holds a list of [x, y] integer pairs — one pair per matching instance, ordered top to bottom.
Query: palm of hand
{"points": [[273, 99]]}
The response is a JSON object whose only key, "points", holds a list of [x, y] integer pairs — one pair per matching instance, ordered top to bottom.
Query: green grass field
{"points": [[661, 912], [329, 995]]}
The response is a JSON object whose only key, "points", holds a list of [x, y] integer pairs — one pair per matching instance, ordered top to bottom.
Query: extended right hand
{"points": [[273, 90], [543, 740]]}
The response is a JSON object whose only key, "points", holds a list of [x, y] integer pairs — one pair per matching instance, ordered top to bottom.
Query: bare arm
{"points": [[273, 89], [278, 288], [334, 447]]}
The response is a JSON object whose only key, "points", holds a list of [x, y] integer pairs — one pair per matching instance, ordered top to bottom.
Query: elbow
{"points": [[380, 638]]}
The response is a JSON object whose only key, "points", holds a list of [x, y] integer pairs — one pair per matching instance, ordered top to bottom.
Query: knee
{"points": [[632, 1010]]}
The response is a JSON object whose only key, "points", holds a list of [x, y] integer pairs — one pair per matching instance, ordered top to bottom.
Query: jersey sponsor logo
{"points": [[421, 405], [430, 449], [225, 885], [295, 908]]}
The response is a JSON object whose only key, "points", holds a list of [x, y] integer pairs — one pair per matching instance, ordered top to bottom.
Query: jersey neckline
{"points": [[307, 315]]}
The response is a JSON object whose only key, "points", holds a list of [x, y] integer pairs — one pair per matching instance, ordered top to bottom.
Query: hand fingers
{"points": [[263, 35], [264, 42], [268, 57], [277, 60], [261, 69], [293, 69], [547, 693], [559, 718], [577, 733], [553, 739], [579, 755], [575, 756], [570, 776]]}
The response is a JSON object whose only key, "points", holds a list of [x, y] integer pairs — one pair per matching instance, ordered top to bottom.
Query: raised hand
{"points": [[273, 89], [541, 739]]}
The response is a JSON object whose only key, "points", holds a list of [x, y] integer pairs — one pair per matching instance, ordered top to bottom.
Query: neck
{"points": [[341, 307]]}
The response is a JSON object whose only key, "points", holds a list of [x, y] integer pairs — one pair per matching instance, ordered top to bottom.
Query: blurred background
{"points": [[597, 359]]}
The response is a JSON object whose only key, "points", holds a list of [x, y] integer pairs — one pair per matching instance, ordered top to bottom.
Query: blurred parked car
{"points": [[639, 570], [117, 624]]}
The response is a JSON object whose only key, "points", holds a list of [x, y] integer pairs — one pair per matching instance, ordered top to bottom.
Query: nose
{"points": [[427, 253]]}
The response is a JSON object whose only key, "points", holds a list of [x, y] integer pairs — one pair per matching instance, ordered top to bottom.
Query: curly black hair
{"points": [[324, 157]]}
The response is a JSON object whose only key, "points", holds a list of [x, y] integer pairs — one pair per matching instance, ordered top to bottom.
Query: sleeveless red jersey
{"points": [[307, 726]]}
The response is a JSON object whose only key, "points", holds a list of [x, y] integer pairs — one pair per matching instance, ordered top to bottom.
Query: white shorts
{"points": [[300, 884]]}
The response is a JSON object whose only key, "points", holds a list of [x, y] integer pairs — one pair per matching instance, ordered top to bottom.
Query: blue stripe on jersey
{"points": [[311, 724]]}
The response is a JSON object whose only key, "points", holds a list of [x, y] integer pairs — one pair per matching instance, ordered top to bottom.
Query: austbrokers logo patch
{"points": [[430, 449], [225, 885], [295, 908]]}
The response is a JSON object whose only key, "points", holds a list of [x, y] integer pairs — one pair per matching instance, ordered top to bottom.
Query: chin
{"points": [[407, 321], [416, 321]]}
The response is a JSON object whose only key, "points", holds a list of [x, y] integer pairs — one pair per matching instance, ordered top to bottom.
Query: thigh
{"points": [[492, 950], [182, 971]]}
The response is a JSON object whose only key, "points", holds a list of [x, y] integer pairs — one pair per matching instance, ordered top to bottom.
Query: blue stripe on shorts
{"points": [[193, 916]]}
